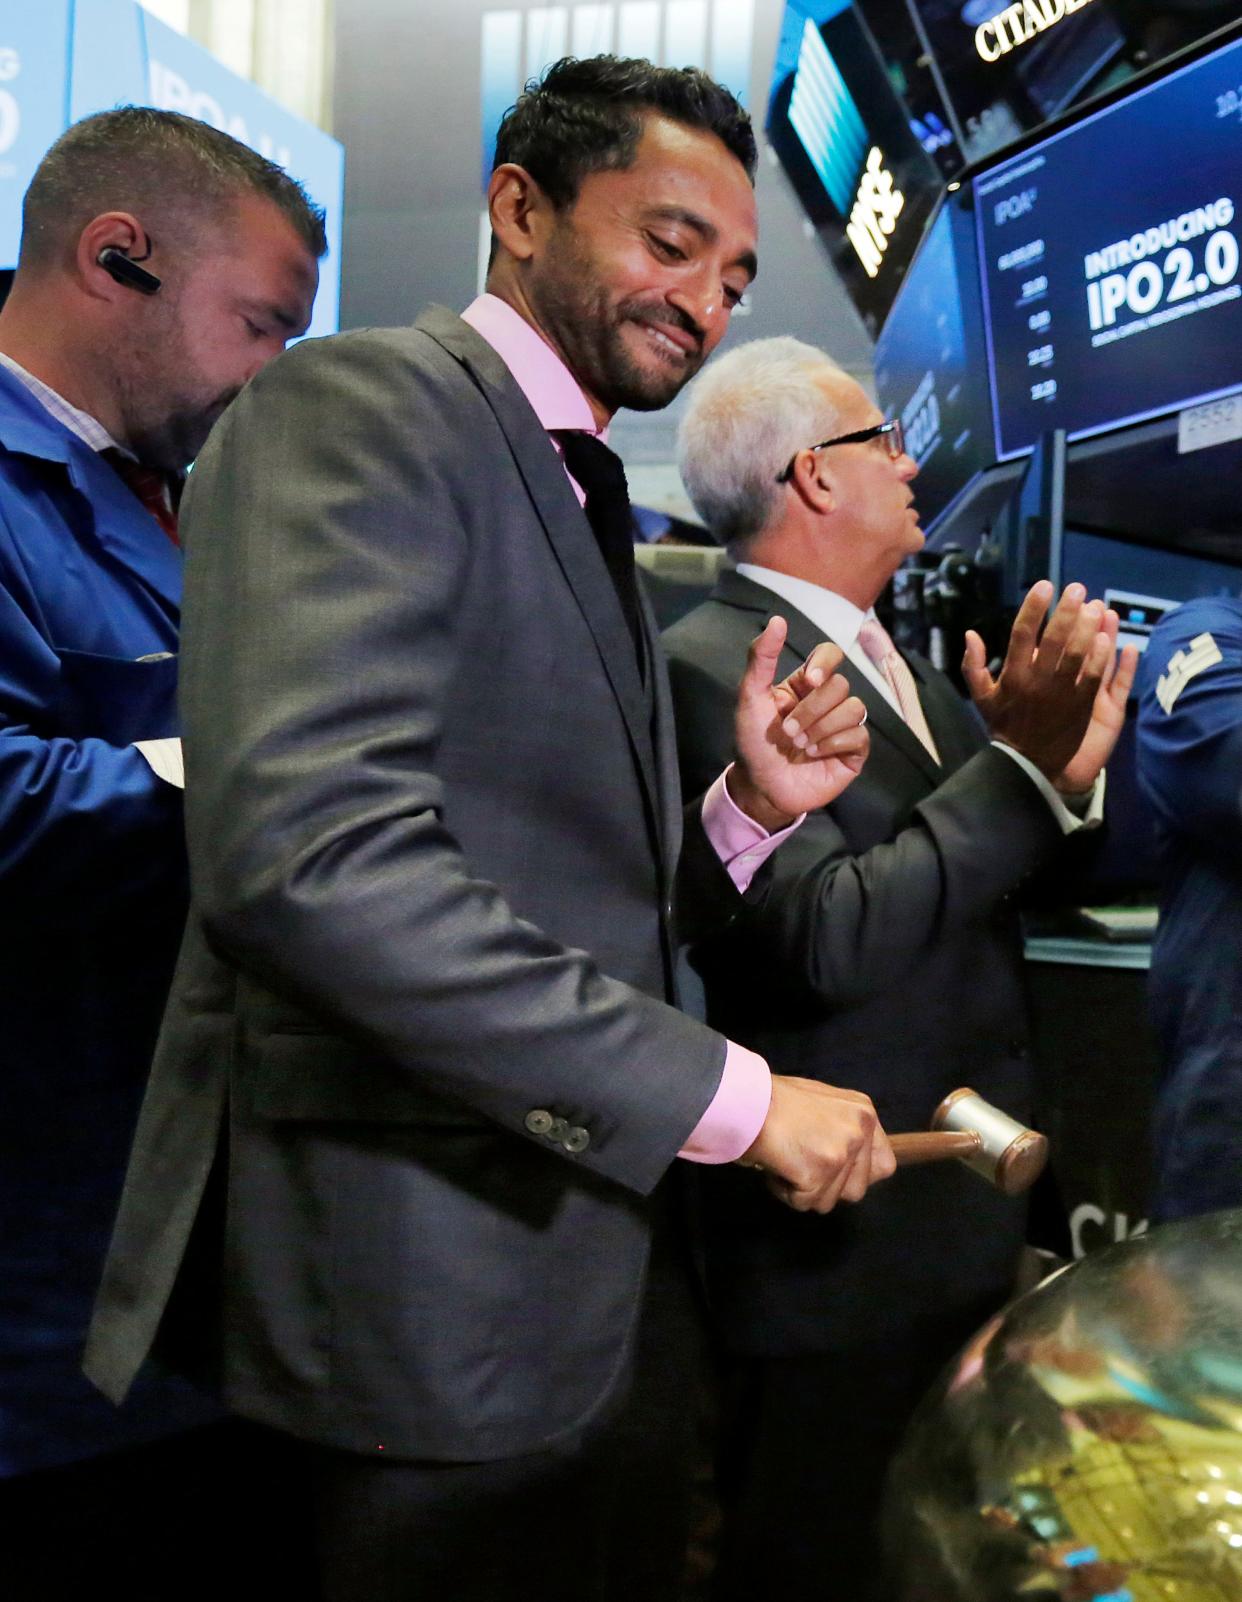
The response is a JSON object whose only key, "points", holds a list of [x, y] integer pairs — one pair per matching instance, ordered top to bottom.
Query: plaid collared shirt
{"points": [[80, 423]]}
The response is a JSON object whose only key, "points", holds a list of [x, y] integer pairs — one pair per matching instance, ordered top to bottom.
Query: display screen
{"points": [[1007, 68], [910, 70], [978, 74], [846, 142], [1110, 260], [929, 364], [1141, 582]]}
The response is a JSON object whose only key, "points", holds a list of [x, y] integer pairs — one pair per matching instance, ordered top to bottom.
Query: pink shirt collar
{"points": [[538, 371]]}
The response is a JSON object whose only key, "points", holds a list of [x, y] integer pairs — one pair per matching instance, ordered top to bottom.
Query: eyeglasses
{"points": [[892, 434]]}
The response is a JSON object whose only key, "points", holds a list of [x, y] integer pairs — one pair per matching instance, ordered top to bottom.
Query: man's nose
{"points": [[700, 297], [259, 360]]}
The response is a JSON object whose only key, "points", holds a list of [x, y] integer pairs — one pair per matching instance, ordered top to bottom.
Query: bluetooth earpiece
{"points": [[127, 271]]}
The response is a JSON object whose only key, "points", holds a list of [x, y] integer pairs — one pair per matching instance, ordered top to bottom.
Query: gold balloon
{"points": [[1087, 1445]]}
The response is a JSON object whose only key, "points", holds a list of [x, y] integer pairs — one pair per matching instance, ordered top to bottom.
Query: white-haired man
{"points": [[886, 948]]}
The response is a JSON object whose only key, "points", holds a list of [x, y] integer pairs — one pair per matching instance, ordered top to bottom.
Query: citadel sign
{"points": [[1018, 24]]}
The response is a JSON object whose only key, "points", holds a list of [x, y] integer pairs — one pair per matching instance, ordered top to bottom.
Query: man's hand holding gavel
{"points": [[820, 1145]]}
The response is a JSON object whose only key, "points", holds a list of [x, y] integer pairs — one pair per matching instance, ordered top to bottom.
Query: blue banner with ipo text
{"points": [[61, 61]]}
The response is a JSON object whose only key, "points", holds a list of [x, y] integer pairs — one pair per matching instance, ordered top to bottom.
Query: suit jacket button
{"points": [[539, 1122], [557, 1131], [576, 1139]]}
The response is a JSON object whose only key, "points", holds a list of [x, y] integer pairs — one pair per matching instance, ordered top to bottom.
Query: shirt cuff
{"points": [[165, 759], [1084, 811], [742, 845], [732, 1122]]}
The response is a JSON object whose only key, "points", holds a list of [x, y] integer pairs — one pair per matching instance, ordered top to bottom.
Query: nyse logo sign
{"points": [[171, 92], [10, 111], [874, 215]]}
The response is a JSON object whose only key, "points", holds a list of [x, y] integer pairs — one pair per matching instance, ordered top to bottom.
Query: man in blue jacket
{"points": [[162, 265], [1190, 767]]}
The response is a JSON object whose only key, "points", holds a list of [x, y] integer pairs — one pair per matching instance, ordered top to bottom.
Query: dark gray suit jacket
{"points": [[424, 780], [883, 954]]}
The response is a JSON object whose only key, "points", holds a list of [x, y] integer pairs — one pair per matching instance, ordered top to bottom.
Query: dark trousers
{"points": [[805, 1445], [218, 1513], [600, 1517]]}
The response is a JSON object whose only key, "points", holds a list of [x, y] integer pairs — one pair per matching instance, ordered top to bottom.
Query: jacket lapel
{"points": [[565, 525], [804, 636], [665, 740]]}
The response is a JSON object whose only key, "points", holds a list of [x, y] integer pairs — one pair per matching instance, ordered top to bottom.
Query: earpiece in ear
{"points": [[125, 271]]}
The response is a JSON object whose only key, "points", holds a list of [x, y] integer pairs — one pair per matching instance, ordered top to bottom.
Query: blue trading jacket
{"points": [[1190, 768], [92, 898]]}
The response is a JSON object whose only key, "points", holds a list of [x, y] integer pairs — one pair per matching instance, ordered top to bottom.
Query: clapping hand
{"points": [[1060, 697], [1108, 716], [799, 743]]}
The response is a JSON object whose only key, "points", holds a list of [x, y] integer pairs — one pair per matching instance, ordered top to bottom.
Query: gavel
{"points": [[996, 1146]]}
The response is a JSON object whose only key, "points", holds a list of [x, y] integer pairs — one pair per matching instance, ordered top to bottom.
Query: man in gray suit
{"points": [[430, 767], [883, 950]]}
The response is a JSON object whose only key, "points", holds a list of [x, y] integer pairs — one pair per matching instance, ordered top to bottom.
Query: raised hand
{"points": [[1043, 702], [1108, 716], [799, 742], [820, 1145]]}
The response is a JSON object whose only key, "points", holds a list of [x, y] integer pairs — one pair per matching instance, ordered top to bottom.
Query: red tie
{"points": [[150, 486]]}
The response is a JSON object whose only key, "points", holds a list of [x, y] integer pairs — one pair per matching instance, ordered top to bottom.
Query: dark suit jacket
{"points": [[422, 785], [883, 954]]}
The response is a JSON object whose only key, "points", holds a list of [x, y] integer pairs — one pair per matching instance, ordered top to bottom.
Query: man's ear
{"points": [[520, 211], [119, 230], [811, 481]]}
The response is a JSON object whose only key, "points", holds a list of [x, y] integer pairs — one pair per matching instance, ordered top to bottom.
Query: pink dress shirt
{"points": [[737, 1111]]}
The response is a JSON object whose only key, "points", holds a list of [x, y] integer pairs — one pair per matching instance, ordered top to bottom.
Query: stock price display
{"points": [[1110, 259], [929, 365]]}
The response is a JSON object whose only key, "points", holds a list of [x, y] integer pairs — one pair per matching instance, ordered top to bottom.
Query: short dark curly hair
{"points": [[587, 116], [138, 159]]}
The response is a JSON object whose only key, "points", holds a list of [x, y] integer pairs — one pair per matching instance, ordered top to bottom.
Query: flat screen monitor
{"points": [[1007, 68], [989, 71], [912, 73], [845, 140], [1109, 257], [930, 364], [1029, 530], [1141, 582]]}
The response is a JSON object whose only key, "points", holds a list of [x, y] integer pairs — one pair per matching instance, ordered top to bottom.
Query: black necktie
{"points": [[602, 477]]}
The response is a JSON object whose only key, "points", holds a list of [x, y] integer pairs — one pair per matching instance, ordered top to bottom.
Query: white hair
{"points": [[749, 414]]}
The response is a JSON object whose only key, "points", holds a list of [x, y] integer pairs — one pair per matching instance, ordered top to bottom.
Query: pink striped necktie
{"points": [[879, 648]]}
